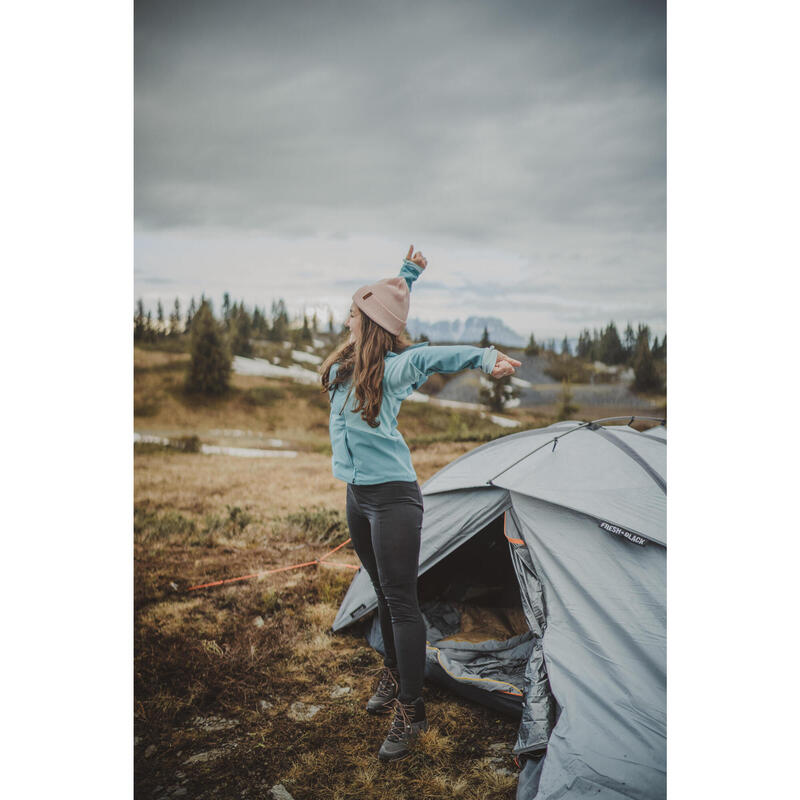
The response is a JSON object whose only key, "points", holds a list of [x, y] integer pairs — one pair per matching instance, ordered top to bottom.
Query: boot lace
{"points": [[387, 682], [403, 713]]}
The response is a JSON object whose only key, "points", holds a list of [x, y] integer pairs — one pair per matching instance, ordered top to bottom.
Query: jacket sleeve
{"points": [[410, 271], [414, 368]]}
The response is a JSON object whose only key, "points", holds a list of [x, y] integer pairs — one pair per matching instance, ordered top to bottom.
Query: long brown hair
{"points": [[365, 364]]}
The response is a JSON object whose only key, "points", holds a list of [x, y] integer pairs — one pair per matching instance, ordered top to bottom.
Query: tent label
{"points": [[617, 531]]}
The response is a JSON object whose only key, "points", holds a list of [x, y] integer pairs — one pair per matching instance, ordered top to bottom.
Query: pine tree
{"points": [[226, 309], [190, 314], [160, 316], [175, 319], [280, 321], [139, 322], [330, 322], [314, 324], [241, 329], [149, 332], [305, 333], [642, 334], [485, 342], [630, 343], [565, 348], [531, 349], [584, 349], [611, 351], [210, 366], [646, 377], [496, 392]]}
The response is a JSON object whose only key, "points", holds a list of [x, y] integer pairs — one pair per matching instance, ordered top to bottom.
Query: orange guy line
{"points": [[278, 569]]}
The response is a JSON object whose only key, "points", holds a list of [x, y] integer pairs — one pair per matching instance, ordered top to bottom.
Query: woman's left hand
{"points": [[418, 258], [504, 365]]}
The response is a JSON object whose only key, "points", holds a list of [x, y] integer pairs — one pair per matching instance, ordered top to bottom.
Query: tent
{"points": [[542, 582]]}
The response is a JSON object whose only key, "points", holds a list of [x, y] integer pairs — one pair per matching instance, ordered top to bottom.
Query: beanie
{"points": [[385, 302]]}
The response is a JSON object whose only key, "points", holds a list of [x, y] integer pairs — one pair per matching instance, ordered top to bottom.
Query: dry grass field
{"points": [[219, 672]]}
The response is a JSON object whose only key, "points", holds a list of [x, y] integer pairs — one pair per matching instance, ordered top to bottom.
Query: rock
{"points": [[173, 586], [259, 622], [340, 691], [264, 705], [300, 712], [213, 723], [136, 741], [499, 747], [150, 750], [202, 758], [180, 775], [181, 791], [278, 792]]}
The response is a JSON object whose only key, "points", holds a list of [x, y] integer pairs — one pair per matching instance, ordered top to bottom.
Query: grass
{"points": [[217, 670], [213, 684]]}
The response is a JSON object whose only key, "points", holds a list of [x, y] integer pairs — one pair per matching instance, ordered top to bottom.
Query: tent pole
{"points": [[555, 439]]}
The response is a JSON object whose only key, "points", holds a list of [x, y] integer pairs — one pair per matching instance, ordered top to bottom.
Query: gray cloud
{"points": [[534, 128]]}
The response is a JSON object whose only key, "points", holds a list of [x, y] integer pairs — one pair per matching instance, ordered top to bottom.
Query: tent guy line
{"points": [[260, 574]]}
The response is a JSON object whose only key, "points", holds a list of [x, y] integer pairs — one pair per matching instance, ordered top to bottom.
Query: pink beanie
{"points": [[385, 302]]}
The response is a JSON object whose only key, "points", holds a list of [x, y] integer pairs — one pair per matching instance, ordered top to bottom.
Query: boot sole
{"points": [[390, 760]]}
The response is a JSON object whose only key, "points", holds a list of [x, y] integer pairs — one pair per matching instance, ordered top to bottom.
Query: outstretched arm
{"points": [[412, 368]]}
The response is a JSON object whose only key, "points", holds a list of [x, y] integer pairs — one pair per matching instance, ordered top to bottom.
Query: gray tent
{"points": [[543, 587]]}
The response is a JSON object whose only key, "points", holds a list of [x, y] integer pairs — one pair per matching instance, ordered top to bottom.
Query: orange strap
{"points": [[510, 538], [320, 560]]}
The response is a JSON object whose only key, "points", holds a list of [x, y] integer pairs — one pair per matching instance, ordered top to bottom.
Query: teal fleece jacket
{"points": [[365, 455]]}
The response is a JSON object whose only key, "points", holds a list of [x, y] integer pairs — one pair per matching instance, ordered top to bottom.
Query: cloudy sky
{"points": [[296, 149]]}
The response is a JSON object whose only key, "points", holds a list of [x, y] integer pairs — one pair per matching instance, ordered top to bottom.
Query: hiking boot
{"points": [[388, 688], [409, 721]]}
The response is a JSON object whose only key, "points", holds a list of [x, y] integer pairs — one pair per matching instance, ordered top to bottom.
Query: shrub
{"points": [[570, 368], [264, 395], [145, 408], [566, 409], [186, 444], [324, 525], [148, 526]]}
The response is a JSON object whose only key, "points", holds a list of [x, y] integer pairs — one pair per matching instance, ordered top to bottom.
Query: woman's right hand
{"points": [[417, 258], [504, 365]]}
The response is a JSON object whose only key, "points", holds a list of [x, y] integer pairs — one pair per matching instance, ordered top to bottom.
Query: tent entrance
{"points": [[478, 583], [479, 642]]}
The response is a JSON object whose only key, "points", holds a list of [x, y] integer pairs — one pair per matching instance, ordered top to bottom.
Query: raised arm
{"points": [[413, 265], [410, 271]]}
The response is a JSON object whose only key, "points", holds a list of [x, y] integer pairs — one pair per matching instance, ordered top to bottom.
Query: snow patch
{"points": [[310, 358], [263, 368]]}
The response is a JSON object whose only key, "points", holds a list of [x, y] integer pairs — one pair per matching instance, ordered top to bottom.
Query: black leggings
{"points": [[385, 521]]}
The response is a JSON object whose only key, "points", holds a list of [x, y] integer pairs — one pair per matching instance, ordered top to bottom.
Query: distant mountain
{"points": [[468, 331]]}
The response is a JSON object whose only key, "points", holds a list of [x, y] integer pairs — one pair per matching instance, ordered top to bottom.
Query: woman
{"points": [[367, 379]]}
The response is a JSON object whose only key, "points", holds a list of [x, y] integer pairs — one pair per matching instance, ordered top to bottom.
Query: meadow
{"points": [[241, 690]]}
